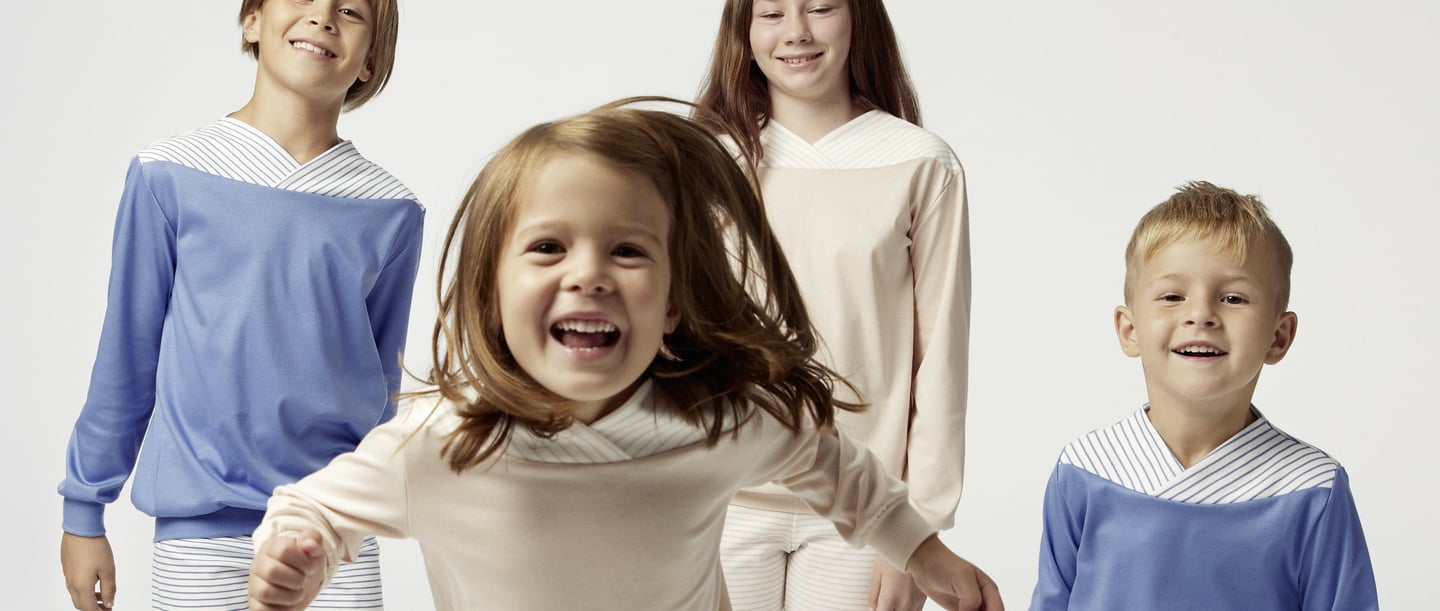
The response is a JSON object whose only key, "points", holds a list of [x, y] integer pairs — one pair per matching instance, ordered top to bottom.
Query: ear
{"points": [[250, 27], [367, 71], [672, 320], [1125, 332], [1284, 337]]}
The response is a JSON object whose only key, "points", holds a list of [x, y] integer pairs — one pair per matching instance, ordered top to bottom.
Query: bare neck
{"points": [[813, 119], [303, 128], [1193, 434]]}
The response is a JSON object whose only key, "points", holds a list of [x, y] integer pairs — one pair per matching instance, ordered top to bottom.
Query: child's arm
{"points": [[389, 300], [107, 435], [843, 482], [359, 493], [1059, 547], [88, 561], [1337, 570], [287, 572], [951, 580]]}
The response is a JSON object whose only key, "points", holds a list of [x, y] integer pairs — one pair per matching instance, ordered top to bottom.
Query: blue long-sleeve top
{"points": [[256, 316], [1265, 522]]}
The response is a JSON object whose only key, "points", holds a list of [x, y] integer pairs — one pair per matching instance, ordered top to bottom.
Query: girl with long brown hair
{"points": [[871, 211], [603, 385]]}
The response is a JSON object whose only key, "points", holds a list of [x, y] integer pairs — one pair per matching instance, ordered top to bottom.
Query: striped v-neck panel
{"points": [[872, 140], [233, 149], [637, 429], [1259, 462]]}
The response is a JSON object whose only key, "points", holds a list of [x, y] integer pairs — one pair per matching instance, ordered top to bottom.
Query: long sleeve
{"points": [[940, 256], [389, 301], [107, 435], [843, 482], [360, 493], [1059, 545], [1336, 571]]}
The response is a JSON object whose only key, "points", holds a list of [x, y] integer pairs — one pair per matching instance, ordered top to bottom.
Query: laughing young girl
{"points": [[603, 385]]}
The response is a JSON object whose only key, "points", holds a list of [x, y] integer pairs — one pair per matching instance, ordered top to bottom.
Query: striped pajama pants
{"points": [[778, 560], [213, 574]]}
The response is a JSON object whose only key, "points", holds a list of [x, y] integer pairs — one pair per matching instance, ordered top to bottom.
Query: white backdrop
{"points": [[1072, 118]]}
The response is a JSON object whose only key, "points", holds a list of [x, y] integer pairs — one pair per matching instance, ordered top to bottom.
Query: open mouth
{"points": [[312, 48], [800, 59], [585, 334], [1199, 351]]}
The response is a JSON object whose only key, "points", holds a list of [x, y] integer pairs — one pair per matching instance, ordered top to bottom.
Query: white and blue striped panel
{"points": [[235, 150], [1130, 453], [1259, 462], [213, 575]]}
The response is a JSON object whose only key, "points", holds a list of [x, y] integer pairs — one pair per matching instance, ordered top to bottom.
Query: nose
{"points": [[322, 16], [797, 30], [587, 274], [1201, 312]]}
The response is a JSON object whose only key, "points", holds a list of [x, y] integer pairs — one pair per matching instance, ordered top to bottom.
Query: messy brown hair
{"points": [[385, 31], [736, 92], [1200, 209], [732, 351]]}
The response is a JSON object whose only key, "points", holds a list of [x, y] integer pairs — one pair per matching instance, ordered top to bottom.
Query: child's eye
{"points": [[822, 10], [352, 13], [768, 15], [547, 247], [628, 251], [1172, 297], [1233, 300]]}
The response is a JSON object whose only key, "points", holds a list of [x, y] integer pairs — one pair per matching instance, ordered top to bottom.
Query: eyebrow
{"points": [[553, 225]]}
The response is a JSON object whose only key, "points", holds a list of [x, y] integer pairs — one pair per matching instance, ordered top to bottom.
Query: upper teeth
{"points": [[305, 46], [798, 60], [585, 326], [1200, 349]]}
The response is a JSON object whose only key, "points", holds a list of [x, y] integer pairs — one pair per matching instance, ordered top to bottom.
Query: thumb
{"points": [[311, 545]]}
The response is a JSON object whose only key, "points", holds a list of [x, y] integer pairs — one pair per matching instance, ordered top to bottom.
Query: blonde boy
{"points": [[259, 300], [1196, 501]]}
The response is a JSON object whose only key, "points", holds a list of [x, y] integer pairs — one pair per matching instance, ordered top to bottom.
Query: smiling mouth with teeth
{"points": [[305, 46], [794, 61], [585, 334], [1204, 351]]}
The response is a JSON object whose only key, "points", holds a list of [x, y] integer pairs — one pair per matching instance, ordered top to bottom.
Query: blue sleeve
{"points": [[389, 301], [107, 435], [1059, 547], [1336, 571]]}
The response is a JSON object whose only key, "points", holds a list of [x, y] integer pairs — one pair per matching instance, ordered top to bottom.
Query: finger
{"points": [[107, 588], [990, 594], [873, 600]]}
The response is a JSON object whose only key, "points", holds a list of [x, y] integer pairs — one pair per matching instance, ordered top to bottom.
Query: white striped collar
{"points": [[872, 140], [233, 149], [638, 428], [1260, 461]]}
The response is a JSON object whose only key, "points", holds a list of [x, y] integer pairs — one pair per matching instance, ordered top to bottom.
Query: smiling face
{"points": [[803, 47], [317, 49], [584, 281], [1203, 324]]}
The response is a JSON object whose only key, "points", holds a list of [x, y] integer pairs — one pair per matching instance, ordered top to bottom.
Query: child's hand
{"points": [[87, 561], [287, 572], [951, 580], [891, 589]]}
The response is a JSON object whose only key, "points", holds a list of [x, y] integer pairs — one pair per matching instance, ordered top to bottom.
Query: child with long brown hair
{"points": [[871, 210], [603, 386]]}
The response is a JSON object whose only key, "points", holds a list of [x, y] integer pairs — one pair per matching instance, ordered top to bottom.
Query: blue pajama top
{"points": [[256, 317], [1265, 522]]}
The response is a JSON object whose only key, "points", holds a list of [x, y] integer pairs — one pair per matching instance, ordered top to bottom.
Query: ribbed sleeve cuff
{"points": [[83, 518], [899, 533]]}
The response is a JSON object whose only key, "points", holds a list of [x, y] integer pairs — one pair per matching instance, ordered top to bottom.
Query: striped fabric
{"points": [[875, 139], [236, 150], [634, 430], [1259, 462], [778, 559], [213, 574]]}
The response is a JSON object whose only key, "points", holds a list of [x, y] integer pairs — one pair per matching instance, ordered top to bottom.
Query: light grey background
{"points": [[1072, 118]]}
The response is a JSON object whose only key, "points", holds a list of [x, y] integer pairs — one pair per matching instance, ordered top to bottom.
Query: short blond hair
{"points": [[385, 32], [1200, 209]]}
